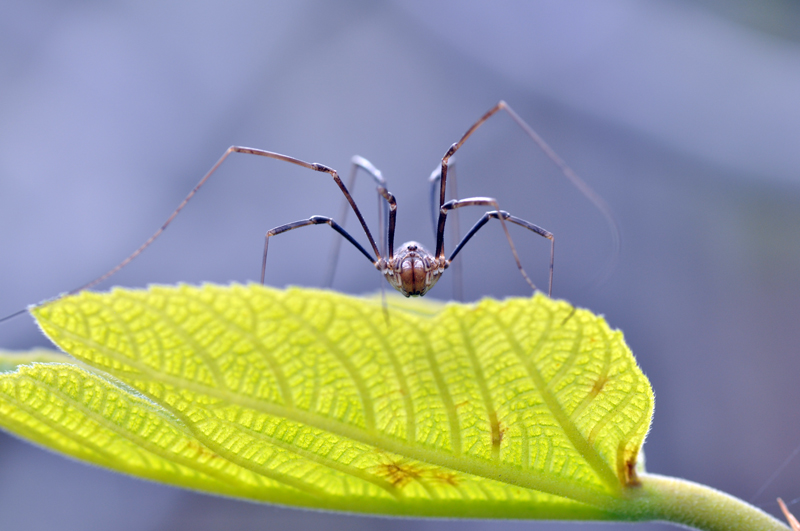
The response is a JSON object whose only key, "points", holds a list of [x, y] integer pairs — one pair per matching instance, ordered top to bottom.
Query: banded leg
{"points": [[235, 149], [359, 163], [579, 183], [478, 201], [497, 214], [313, 220]]}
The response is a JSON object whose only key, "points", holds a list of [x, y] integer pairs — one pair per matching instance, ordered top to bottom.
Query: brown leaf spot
{"points": [[598, 385], [498, 432], [201, 451], [399, 474], [448, 478], [631, 479]]}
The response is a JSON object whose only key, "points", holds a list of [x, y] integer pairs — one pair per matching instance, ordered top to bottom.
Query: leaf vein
{"points": [[177, 327], [388, 348], [274, 367], [444, 392], [367, 405], [491, 413], [577, 440], [318, 458], [274, 475], [509, 475]]}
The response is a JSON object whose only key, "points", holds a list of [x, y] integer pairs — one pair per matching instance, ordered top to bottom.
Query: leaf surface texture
{"points": [[524, 408]]}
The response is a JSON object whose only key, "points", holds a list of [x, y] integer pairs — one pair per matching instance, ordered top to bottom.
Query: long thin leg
{"points": [[235, 149], [358, 163], [435, 181], [584, 188], [390, 200], [480, 201], [513, 219], [313, 220], [455, 229], [789, 516]]}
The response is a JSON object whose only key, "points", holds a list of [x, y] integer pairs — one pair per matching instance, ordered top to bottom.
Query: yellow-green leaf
{"points": [[10, 360], [525, 408]]}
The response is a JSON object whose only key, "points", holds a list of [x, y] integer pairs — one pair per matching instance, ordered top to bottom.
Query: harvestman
{"points": [[412, 270]]}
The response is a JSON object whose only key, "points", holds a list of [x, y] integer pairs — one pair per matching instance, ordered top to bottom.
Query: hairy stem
{"points": [[698, 506]]}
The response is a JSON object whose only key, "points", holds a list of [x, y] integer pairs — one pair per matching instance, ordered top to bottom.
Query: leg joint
{"points": [[321, 167]]}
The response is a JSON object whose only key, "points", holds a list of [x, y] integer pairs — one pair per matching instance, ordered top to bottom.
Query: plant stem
{"points": [[693, 505]]}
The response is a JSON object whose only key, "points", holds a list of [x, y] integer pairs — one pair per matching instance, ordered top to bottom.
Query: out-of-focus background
{"points": [[684, 116]]}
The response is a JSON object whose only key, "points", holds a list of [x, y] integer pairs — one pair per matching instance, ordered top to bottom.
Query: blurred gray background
{"points": [[684, 116]]}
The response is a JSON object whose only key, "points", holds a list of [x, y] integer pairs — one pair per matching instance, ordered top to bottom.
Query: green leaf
{"points": [[10, 360], [525, 408]]}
